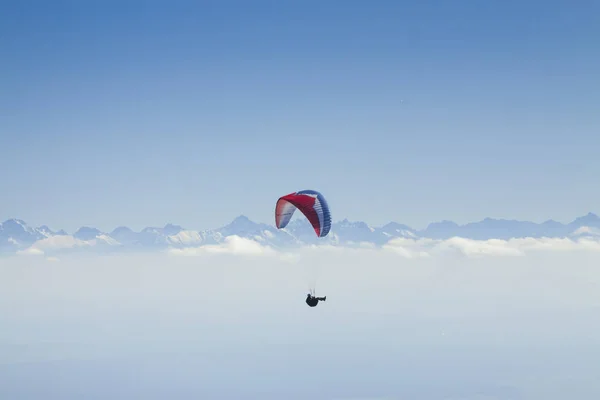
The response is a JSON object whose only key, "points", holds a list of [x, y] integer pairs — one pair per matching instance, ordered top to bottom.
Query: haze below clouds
{"points": [[218, 325]]}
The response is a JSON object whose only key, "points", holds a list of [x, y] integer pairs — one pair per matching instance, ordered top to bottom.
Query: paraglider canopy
{"points": [[311, 203]]}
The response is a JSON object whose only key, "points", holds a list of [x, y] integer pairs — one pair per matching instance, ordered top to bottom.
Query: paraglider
{"points": [[314, 207], [312, 301]]}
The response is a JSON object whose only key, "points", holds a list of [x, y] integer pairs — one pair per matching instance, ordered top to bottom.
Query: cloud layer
{"points": [[234, 245], [493, 247], [410, 248], [481, 319]]}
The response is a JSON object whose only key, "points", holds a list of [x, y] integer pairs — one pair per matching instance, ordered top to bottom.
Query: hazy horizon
{"points": [[299, 216]]}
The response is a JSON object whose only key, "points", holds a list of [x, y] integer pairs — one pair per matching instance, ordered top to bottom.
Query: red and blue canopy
{"points": [[311, 203]]}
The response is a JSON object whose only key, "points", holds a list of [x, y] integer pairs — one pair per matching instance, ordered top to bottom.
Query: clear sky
{"points": [[143, 113]]}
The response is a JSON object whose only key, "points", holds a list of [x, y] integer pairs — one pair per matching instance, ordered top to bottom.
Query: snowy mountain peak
{"points": [[590, 219], [16, 221], [242, 221], [550, 222], [345, 223], [444, 223], [16, 225], [242, 225], [396, 225], [170, 229], [394, 229], [44, 230], [121, 230], [16, 232], [87, 233], [16, 235]]}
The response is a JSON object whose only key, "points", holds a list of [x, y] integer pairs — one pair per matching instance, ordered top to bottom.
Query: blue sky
{"points": [[141, 114]]}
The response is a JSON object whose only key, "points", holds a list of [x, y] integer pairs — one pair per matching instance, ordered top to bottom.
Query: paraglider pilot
{"points": [[312, 301]]}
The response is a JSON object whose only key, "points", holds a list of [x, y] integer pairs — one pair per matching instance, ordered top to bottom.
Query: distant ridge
{"points": [[16, 235]]}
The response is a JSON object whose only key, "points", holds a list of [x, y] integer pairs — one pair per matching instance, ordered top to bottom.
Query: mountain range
{"points": [[18, 236]]}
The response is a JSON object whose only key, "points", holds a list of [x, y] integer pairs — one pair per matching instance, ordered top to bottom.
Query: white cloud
{"points": [[586, 230], [61, 242], [234, 245], [405, 247], [409, 248], [412, 248], [30, 251], [33, 251]]}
